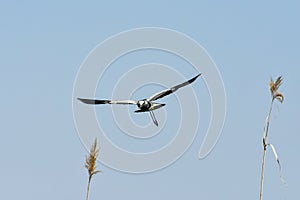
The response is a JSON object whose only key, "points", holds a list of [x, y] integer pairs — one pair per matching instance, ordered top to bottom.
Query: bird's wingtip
{"points": [[193, 79], [80, 99]]}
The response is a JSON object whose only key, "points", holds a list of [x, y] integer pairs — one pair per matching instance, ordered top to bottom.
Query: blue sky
{"points": [[43, 45]]}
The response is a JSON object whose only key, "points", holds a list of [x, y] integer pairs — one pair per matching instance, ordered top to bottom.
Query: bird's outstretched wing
{"points": [[171, 90], [96, 101]]}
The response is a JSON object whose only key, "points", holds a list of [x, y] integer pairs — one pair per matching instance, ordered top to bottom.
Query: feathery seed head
{"points": [[274, 86], [91, 160]]}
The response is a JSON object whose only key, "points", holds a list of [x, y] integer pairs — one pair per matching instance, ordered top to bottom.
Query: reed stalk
{"points": [[280, 97]]}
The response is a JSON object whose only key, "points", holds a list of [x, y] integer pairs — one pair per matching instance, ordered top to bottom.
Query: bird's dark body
{"points": [[144, 105]]}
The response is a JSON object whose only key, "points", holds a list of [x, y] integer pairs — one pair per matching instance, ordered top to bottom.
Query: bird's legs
{"points": [[153, 117]]}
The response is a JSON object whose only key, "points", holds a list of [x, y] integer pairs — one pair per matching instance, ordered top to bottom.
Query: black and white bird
{"points": [[144, 105]]}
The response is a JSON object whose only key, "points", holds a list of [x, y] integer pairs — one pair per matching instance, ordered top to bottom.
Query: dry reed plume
{"points": [[274, 86], [90, 164]]}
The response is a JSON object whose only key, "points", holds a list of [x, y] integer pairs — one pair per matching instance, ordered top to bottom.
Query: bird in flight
{"points": [[144, 105]]}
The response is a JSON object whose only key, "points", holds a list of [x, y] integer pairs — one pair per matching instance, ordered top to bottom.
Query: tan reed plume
{"points": [[91, 164]]}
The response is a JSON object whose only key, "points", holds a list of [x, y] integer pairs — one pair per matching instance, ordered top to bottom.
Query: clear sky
{"points": [[43, 45]]}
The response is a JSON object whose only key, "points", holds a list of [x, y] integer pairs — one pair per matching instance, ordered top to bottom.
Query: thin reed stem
{"points": [[265, 143], [262, 175], [88, 188]]}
